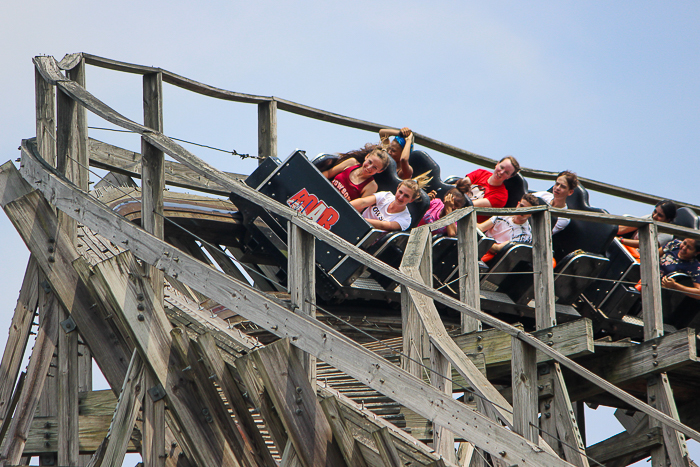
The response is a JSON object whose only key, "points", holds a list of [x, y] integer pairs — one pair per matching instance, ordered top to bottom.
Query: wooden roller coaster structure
{"points": [[210, 367]]}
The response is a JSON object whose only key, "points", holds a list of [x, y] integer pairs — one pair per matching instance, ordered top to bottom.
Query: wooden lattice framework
{"points": [[187, 388]]}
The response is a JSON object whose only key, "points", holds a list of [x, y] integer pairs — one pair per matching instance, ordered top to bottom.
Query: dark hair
{"points": [[514, 162], [571, 178], [463, 185], [460, 199], [532, 199], [668, 207]]}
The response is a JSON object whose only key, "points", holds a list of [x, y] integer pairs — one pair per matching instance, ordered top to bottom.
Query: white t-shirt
{"points": [[379, 211], [561, 221], [505, 230]]}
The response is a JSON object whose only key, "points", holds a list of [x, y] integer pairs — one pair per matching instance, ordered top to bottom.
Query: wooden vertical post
{"points": [[45, 118], [267, 129], [71, 161], [152, 186], [542, 268], [469, 270], [651, 282], [302, 285], [413, 333], [524, 374], [659, 392], [563, 422]]}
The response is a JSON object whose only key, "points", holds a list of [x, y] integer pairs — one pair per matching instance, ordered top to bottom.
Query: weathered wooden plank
{"points": [[45, 102], [267, 129], [115, 159], [152, 221], [153, 253], [416, 256], [468, 261], [543, 278], [651, 282], [302, 285], [149, 328], [18, 336], [573, 339], [39, 362], [441, 371], [524, 371], [67, 376], [254, 389], [660, 394], [237, 403], [296, 403], [11, 405], [127, 408], [217, 411], [565, 421], [362, 422], [93, 429], [346, 442], [623, 445], [386, 448]]}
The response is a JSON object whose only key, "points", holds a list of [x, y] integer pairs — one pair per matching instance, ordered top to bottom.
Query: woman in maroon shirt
{"points": [[353, 180]]}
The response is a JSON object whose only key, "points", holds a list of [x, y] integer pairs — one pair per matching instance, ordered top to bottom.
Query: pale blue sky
{"points": [[610, 90]]}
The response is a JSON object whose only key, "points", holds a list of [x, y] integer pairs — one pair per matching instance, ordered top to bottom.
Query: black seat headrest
{"points": [[325, 161], [517, 187], [686, 217], [592, 237]]}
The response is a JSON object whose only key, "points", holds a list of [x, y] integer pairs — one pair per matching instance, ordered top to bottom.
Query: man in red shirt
{"points": [[487, 188]]}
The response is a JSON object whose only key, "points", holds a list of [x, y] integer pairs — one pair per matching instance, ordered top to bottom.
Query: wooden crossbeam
{"points": [[18, 336], [295, 400]]}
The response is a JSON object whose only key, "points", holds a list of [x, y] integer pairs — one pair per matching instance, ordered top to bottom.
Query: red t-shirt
{"points": [[346, 188], [481, 188]]}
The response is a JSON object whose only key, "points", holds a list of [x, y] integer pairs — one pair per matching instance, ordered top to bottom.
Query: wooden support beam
{"points": [[45, 118], [267, 129], [115, 159], [152, 186], [468, 252], [418, 256], [417, 261], [543, 271], [302, 285], [91, 312], [148, 326], [18, 337], [573, 339], [628, 364], [37, 371], [524, 371], [67, 376], [254, 389], [659, 392], [237, 402], [296, 403], [11, 405], [217, 412], [565, 421], [122, 426], [625, 446], [349, 447], [386, 448]]}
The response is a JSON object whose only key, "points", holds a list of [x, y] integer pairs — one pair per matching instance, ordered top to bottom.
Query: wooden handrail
{"points": [[318, 114]]}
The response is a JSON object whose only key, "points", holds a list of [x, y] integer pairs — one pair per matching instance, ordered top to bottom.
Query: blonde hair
{"points": [[417, 183]]}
